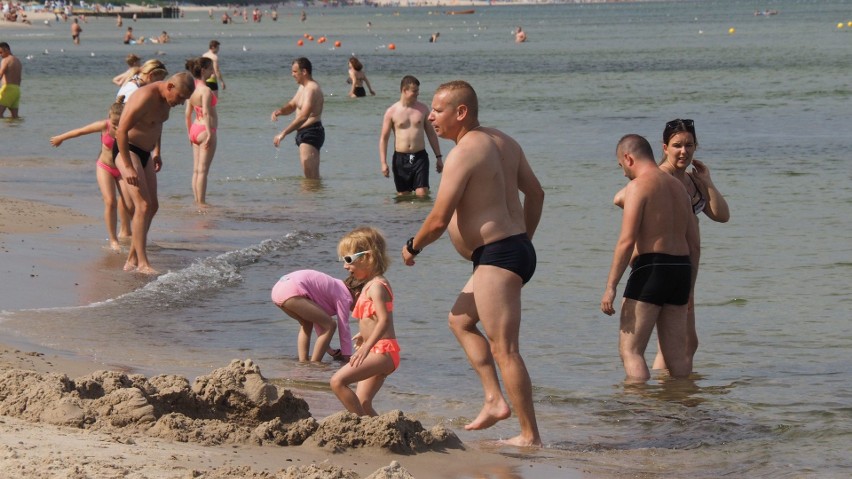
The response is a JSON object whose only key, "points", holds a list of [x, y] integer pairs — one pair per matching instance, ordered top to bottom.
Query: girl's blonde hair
{"points": [[155, 69], [115, 111], [366, 238]]}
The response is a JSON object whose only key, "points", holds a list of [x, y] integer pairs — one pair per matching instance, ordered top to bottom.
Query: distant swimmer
{"points": [[76, 30], [520, 35], [128, 36], [434, 37], [358, 79]]}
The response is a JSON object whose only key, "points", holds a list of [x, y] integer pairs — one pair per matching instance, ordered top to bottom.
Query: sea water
{"points": [[770, 396]]}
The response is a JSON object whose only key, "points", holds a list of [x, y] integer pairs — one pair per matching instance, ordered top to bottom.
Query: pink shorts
{"points": [[285, 289]]}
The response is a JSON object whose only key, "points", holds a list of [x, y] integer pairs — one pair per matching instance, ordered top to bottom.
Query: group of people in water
{"points": [[130, 137], [490, 202]]}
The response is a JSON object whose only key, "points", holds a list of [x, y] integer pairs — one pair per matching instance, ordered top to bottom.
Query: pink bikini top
{"points": [[199, 111], [106, 139], [364, 307]]}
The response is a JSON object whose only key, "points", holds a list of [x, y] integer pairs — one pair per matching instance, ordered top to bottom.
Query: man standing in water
{"points": [[76, 30], [11, 72], [216, 79], [307, 103], [407, 118], [138, 147], [659, 225], [486, 226]]}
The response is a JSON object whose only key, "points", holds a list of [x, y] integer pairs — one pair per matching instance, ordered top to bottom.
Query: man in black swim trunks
{"points": [[307, 103], [407, 119], [138, 142], [474, 205], [659, 228]]}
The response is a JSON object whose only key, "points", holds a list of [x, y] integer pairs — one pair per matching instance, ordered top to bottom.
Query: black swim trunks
{"points": [[360, 91], [313, 135], [144, 156], [410, 170], [514, 253], [659, 278]]}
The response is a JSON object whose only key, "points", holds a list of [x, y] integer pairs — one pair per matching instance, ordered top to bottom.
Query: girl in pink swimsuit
{"points": [[202, 131], [107, 173], [363, 252], [312, 298]]}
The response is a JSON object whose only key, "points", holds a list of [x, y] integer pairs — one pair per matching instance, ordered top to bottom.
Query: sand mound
{"points": [[231, 405], [393, 431]]}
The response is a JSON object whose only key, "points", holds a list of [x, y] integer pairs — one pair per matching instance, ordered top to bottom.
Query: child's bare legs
{"points": [[107, 187], [308, 314], [370, 376]]}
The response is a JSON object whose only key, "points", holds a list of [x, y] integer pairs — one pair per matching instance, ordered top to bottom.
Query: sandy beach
{"points": [[69, 417]]}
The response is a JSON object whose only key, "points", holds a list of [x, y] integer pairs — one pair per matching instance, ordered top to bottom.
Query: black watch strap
{"points": [[409, 245]]}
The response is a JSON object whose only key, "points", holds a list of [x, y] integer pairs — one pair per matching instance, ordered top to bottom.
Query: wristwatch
{"points": [[409, 245]]}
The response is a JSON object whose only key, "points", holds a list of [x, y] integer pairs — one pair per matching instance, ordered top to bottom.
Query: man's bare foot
{"points": [[124, 236], [115, 246], [129, 266], [147, 270], [490, 415], [520, 441]]}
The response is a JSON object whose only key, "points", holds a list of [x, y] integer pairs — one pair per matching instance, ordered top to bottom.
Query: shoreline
{"points": [[42, 446]]}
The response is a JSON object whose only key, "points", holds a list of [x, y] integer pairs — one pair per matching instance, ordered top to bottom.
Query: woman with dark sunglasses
{"points": [[679, 145]]}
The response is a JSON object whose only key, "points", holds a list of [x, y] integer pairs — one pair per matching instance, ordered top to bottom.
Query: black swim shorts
{"points": [[360, 91], [313, 135], [143, 155], [410, 170], [514, 253], [659, 278]]}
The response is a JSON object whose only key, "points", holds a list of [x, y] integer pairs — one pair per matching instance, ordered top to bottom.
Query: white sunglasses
{"points": [[349, 259]]}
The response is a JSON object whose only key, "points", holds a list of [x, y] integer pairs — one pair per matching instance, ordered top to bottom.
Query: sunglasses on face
{"points": [[351, 258]]}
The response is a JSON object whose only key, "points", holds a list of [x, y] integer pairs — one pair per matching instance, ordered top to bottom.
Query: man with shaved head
{"points": [[137, 155], [478, 204], [659, 238]]}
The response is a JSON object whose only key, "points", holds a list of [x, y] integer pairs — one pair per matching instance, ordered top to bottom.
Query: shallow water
{"points": [[771, 394]]}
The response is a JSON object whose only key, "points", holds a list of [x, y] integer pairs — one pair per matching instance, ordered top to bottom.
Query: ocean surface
{"points": [[771, 394]]}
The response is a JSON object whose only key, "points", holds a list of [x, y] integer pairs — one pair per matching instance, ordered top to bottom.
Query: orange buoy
{"points": [[306, 35], [311, 37], [321, 40], [300, 42], [337, 44], [391, 47]]}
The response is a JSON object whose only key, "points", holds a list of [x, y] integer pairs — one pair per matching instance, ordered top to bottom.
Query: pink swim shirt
{"points": [[329, 293]]}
